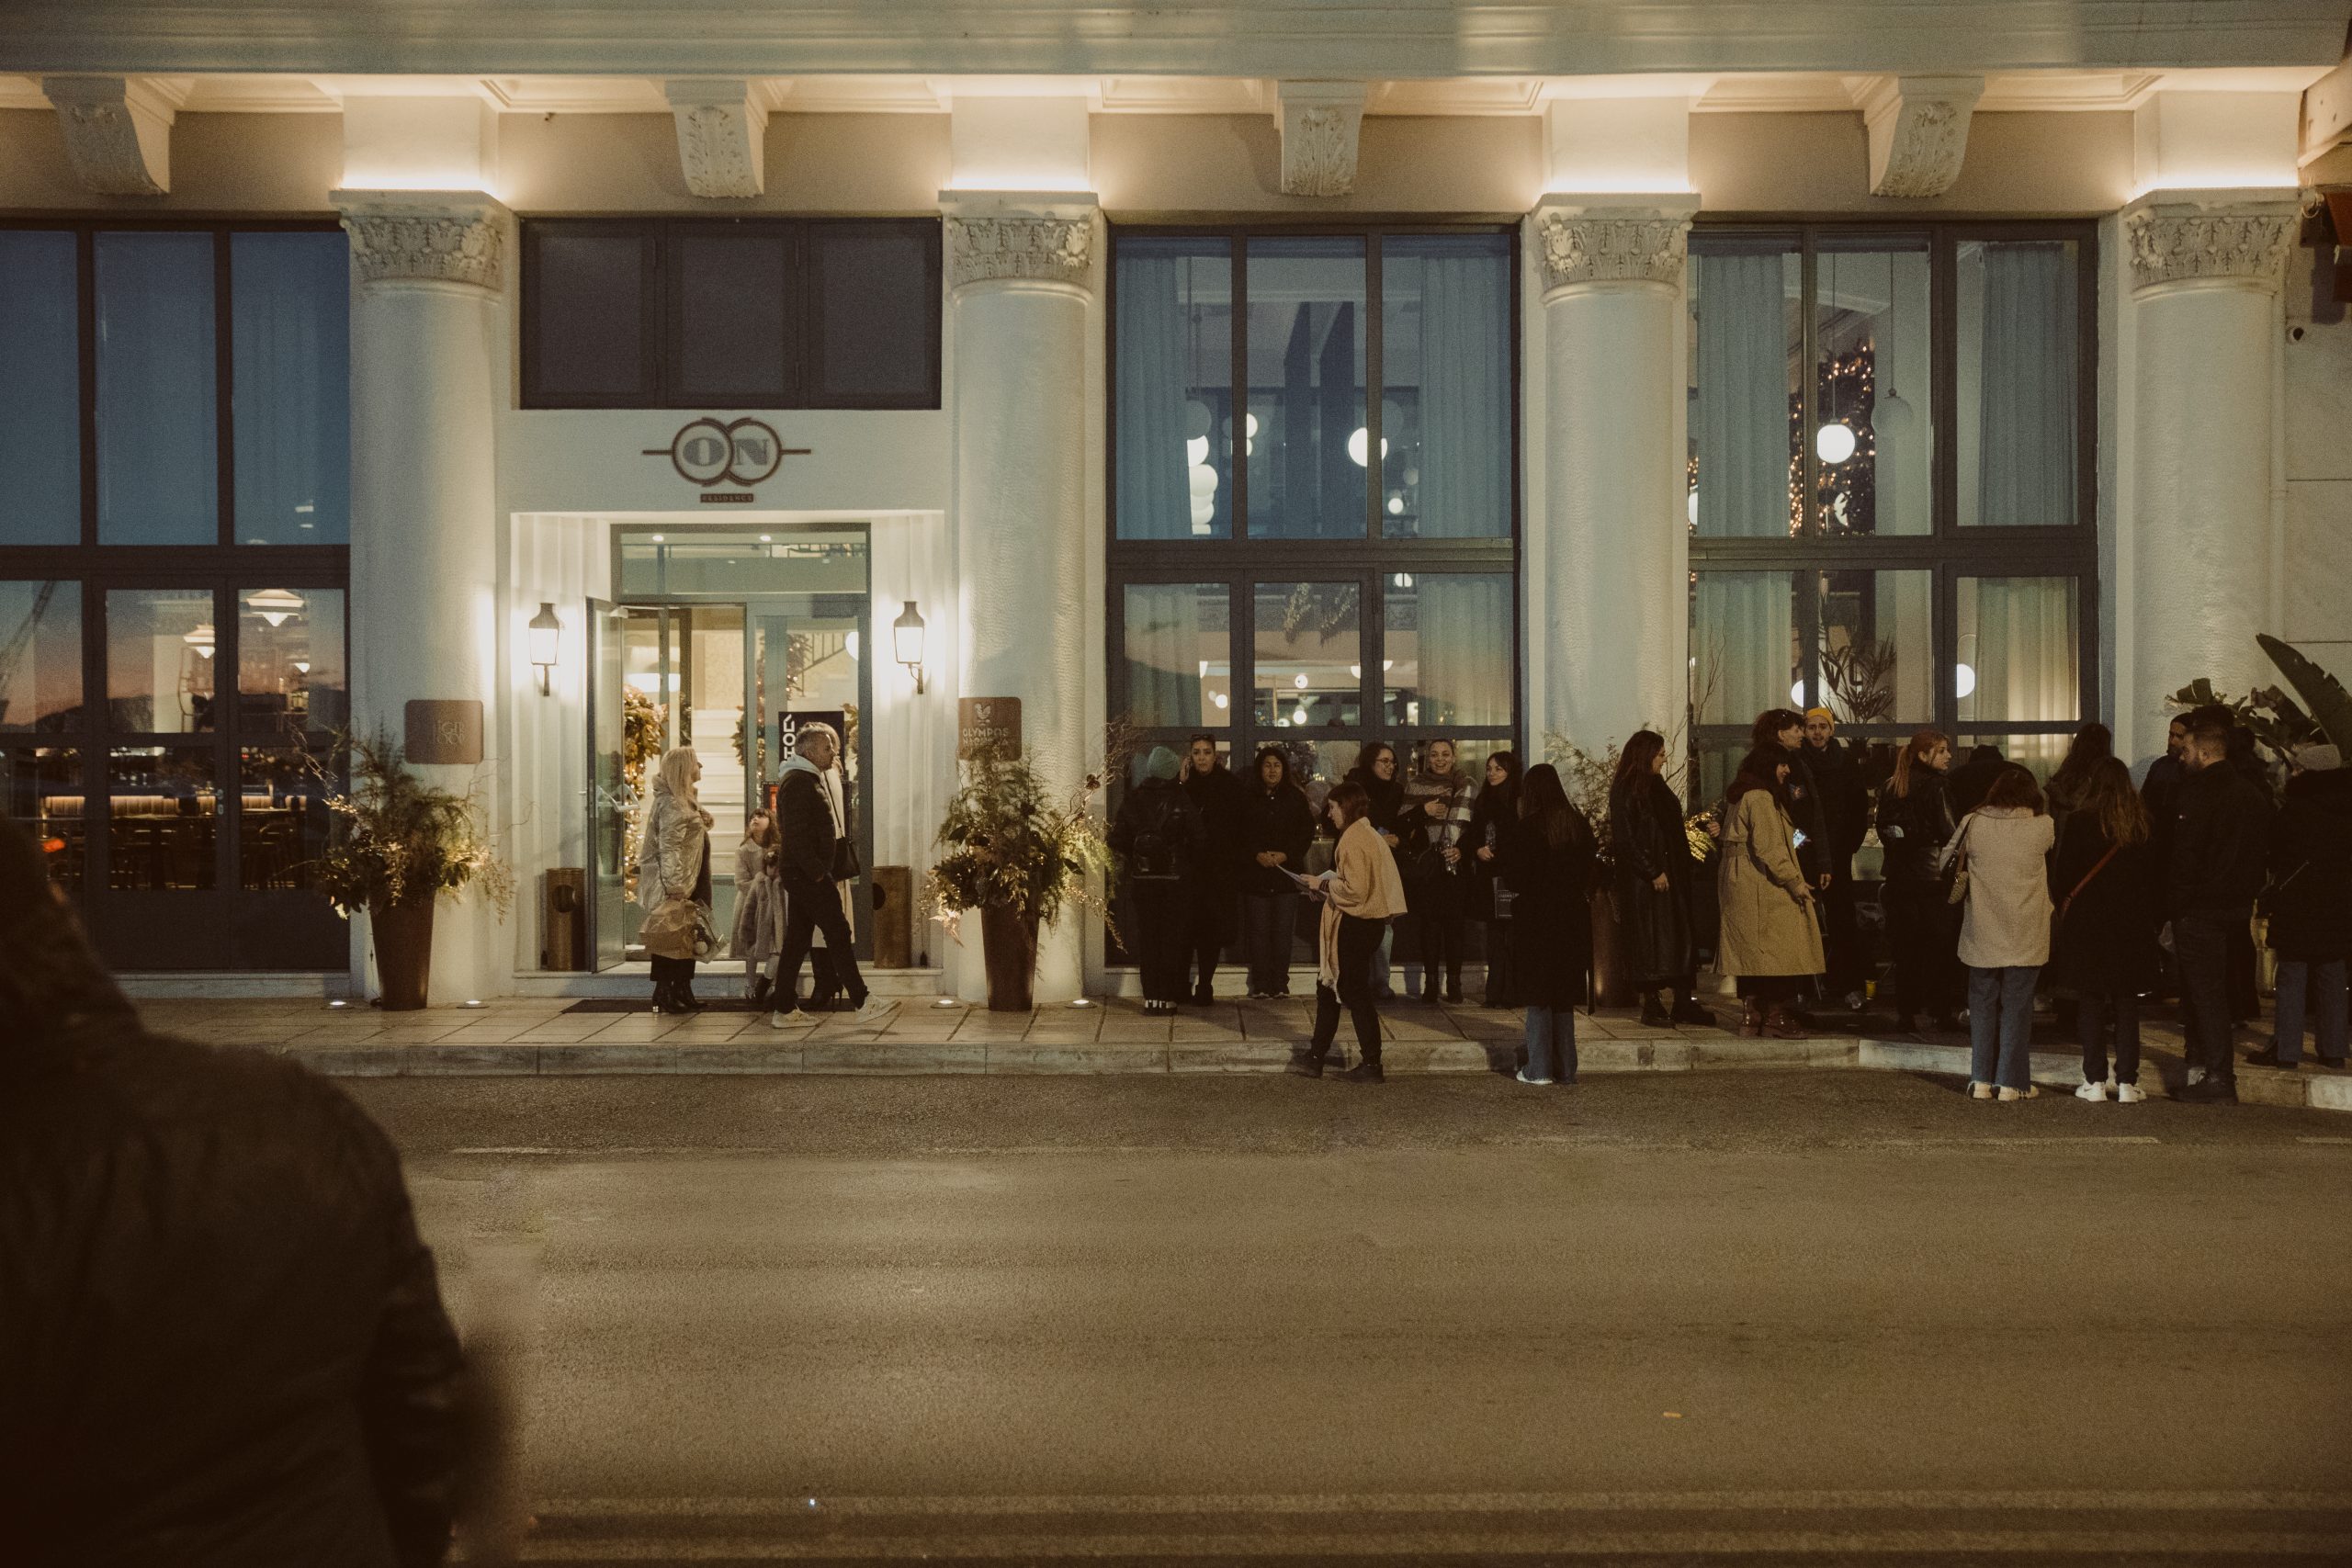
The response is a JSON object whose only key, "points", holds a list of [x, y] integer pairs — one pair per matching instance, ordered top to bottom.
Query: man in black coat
{"points": [[1972, 779], [1845, 818], [2220, 850], [816, 859], [1213, 899], [2310, 904], [221, 1341]]}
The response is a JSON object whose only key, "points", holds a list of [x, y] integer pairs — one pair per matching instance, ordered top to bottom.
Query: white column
{"points": [[428, 268], [1020, 268], [2205, 270], [1608, 615]]}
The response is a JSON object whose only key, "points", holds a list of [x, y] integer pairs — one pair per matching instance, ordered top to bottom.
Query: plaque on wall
{"points": [[988, 726], [444, 732]]}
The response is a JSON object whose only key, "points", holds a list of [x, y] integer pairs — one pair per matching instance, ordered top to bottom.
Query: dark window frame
{"points": [[663, 304], [1949, 550], [1241, 562], [254, 921]]}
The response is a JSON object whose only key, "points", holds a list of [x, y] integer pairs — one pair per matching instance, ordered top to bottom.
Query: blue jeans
{"points": [[2327, 1008], [2000, 1025], [1552, 1043]]}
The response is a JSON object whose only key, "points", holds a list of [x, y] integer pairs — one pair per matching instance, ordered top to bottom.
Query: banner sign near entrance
{"points": [[741, 452], [988, 726]]}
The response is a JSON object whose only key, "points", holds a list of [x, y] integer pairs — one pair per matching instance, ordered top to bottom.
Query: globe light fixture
{"points": [[1893, 417], [1834, 443], [1360, 446], [1299, 680], [1964, 680]]}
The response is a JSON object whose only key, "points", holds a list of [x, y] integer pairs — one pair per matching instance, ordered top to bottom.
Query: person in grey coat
{"points": [[2004, 928]]}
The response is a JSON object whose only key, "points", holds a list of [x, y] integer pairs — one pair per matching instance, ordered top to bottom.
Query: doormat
{"points": [[645, 1004]]}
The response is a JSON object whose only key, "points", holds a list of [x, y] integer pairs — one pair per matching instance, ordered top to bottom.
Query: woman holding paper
{"points": [[1360, 895]]}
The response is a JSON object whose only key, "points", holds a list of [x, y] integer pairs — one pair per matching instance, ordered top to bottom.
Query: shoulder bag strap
{"points": [[2069, 901]]}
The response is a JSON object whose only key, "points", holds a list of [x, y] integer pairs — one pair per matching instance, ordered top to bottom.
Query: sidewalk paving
{"points": [[539, 1036]]}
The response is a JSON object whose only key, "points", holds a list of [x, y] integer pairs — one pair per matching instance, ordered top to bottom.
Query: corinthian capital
{"points": [[425, 236], [2208, 236], [995, 238], [1614, 240]]}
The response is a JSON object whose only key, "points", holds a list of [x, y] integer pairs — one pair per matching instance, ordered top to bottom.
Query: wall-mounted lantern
{"points": [[546, 632], [906, 635]]}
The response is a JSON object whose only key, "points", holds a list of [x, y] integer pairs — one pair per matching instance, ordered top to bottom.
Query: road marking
{"points": [[2008, 1140], [2331, 1140], [505, 1151], [1458, 1503], [1432, 1546]]}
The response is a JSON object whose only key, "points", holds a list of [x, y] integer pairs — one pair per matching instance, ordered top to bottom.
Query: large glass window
{"points": [[752, 312], [1866, 406], [1314, 491], [173, 646]]}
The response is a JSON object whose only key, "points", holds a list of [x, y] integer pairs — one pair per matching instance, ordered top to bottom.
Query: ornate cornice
{"points": [[1319, 122], [722, 132], [118, 133], [1918, 133], [425, 236], [2188, 237], [999, 239], [1588, 242]]}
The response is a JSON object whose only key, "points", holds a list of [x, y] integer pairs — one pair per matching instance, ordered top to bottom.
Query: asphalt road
{"points": [[1751, 1317]]}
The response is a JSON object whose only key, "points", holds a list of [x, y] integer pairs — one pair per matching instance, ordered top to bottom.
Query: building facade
{"points": [[1452, 373]]}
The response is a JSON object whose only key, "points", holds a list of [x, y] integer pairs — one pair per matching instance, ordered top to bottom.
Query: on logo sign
{"points": [[741, 452]]}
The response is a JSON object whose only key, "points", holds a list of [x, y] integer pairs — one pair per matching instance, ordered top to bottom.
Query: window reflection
{"points": [[40, 389], [1175, 389], [1307, 389], [156, 391], [1445, 409], [1872, 430], [162, 647], [1179, 653], [41, 655], [1309, 655], [1447, 655], [289, 660], [41, 788], [163, 814], [282, 818]]}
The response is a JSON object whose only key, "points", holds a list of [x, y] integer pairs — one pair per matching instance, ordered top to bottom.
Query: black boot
{"points": [[1453, 984], [760, 987], [685, 995], [662, 996], [1690, 1009], [1654, 1013], [1306, 1061], [1366, 1071]]}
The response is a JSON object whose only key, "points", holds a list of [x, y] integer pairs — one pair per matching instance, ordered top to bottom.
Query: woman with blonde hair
{"points": [[674, 879], [758, 937], [2103, 942]]}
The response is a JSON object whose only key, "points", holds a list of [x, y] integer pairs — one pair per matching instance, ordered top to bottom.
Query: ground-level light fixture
{"points": [[546, 632], [906, 643]]}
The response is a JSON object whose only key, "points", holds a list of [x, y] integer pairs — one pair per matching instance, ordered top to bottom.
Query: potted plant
{"points": [[398, 844], [1020, 857]]}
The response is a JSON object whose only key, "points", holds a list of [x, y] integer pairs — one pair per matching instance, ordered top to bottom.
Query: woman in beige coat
{"points": [[674, 867], [1360, 895], [2004, 928], [1771, 941]]}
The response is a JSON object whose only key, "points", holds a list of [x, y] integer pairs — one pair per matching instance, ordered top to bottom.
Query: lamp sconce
{"points": [[545, 632], [905, 639]]}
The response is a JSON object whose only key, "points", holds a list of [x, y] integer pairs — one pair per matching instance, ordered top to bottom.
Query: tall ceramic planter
{"points": [[403, 937], [1009, 945]]}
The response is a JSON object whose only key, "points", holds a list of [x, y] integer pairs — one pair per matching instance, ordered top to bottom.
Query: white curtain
{"points": [[1465, 397], [2025, 448], [1155, 496], [1742, 634], [1163, 643], [1463, 644], [2025, 648]]}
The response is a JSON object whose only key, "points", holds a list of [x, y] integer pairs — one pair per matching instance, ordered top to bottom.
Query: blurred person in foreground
{"points": [[221, 1341]]}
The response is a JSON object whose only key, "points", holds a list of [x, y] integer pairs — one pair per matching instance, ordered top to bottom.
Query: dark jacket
{"points": [[1972, 780], [2160, 793], [1217, 796], [1384, 801], [1845, 802], [1806, 813], [1492, 815], [1281, 822], [1913, 829], [1157, 834], [1645, 839], [2221, 846], [808, 847], [2310, 899], [1551, 915], [2105, 941], [221, 1341]]}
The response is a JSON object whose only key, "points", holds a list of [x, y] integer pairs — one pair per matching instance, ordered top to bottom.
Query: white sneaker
{"points": [[875, 1009], [780, 1020], [1544, 1083], [1980, 1091], [2091, 1091], [2128, 1094]]}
